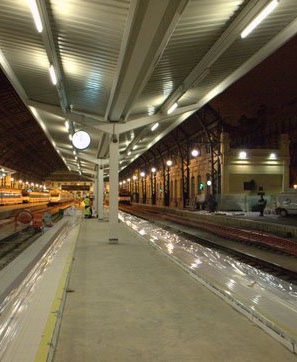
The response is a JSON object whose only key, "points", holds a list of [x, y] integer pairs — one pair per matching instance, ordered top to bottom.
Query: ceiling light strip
{"points": [[258, 19]]}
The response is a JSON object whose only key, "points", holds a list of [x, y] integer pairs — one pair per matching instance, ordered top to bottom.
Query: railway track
{"points": [[207, 239], [12, 245]]}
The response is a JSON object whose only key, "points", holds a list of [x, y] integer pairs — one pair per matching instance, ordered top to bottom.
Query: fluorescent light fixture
{"points": [[36, 15], [259, 18], [53, 74], [172, 108], [151, 111], [155, 126], [81, 140], [242, 155], [153, 170]]}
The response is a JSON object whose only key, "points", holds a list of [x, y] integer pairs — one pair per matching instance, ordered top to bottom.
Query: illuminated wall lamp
{"points": [[195, 153], [242, 155], [272, 156], [169, 163], [153, 170], [142, 174]]}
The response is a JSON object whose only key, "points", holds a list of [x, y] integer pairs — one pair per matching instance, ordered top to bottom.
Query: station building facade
{"points": [[233, 179]]}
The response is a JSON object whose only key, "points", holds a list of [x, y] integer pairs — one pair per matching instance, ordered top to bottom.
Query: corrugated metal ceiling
{"points": [[89, 34], [89, 38]]}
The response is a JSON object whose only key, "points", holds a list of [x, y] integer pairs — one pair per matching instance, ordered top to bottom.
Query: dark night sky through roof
{"points": [[273, 83]]}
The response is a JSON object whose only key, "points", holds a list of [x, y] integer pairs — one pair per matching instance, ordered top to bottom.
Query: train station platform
{"points": [[130, 302]]}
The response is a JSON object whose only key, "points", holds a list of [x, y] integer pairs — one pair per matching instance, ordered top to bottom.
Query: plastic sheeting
{"points": [[268, 300], [13, 308]]}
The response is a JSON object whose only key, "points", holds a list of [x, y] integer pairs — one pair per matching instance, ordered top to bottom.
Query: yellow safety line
{"points": [[45, 344]]}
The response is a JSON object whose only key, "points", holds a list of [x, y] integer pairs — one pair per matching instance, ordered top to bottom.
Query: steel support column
{"points": [[166, 186], [153, 187], [113, 189], [143, 189]]}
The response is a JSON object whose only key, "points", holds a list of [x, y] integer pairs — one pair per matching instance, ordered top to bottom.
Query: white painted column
{"points": [[113, 189], [100, 192], [95, 193]]}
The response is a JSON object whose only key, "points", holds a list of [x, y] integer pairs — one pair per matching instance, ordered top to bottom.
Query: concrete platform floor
{"points": [[130, 303]]}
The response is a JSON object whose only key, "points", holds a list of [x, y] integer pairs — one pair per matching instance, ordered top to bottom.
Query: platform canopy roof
{"points": [[121, 64]]}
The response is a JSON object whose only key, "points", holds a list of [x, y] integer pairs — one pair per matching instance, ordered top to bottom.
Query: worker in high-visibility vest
{"points": [[88, 210]]}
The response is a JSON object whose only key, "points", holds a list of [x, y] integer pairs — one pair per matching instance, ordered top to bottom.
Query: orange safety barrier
{"points": [[37, 221]]}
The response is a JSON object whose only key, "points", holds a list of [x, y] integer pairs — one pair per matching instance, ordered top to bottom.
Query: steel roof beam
{"points": [[150, 27], [275, 43], [52, 54], [201, 70], [182, 113], [81, 119], [103, 146]]}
